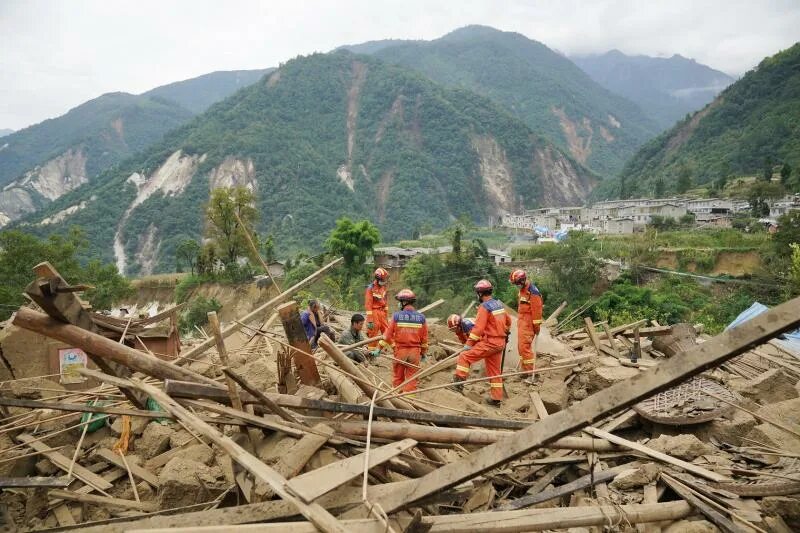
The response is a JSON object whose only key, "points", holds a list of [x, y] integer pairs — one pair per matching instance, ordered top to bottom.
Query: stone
{"points": [[436, 353], [260, 374], [603, 377], [770, 387], [554, 394], [579, 394], [518, 403], [787, 413], [728, 430], [180, 438], [154, 440], [686, 447], [198, 452], [46, 468], [636, 477], [185, 482], [784, 506], [691, 526]]}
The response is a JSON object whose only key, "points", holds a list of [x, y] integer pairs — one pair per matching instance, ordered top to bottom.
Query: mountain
{"points": [[371, 47], [541, 87], [666, 88], [197, 94], [756, 119], [5, 131], [323, 136], [41, 163]]}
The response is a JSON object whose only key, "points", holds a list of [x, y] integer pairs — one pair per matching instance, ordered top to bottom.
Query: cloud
{"points": [[57, 54]]}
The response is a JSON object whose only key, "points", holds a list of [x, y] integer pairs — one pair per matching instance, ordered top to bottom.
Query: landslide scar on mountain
{"points": [[359, 74], [684, 133], [579, 147], [233, 172], [495, 174], [171, 179], [560, 182], [384, 187]]}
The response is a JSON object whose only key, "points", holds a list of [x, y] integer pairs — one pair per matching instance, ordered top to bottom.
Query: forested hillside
{"points": [[666, 88], [546, 90], [197, 94], [753, 124], [324, 136]]}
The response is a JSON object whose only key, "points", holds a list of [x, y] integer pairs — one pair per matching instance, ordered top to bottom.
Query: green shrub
{"points": [[196, 313]]}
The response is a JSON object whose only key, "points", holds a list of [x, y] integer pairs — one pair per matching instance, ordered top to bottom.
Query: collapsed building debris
{"points": [[643, 426]]}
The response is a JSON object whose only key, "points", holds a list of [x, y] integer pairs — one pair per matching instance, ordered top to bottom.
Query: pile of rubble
{"points": [[642, 427]]}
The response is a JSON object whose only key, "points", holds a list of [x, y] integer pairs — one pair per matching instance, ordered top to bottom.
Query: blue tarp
{"points": [[790, 340]]}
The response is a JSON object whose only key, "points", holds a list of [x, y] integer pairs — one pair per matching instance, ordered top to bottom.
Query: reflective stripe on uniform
{"points": [[369, 312], [499, 312], [537, 321], [408, 325], [474, 337], [462, 368], [496, 384]]}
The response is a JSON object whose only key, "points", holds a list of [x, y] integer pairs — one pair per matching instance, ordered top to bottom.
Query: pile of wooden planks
{"points": [[268, 432]]}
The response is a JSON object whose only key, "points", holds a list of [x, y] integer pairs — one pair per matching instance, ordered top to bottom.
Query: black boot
{"points": [[457, 383], [493, 402]]}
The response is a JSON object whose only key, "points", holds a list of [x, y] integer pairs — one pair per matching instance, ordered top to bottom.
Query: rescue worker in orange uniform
{"points": [[375, 304], [529, 319], [460, 326], [407, 334], [486, 341]]}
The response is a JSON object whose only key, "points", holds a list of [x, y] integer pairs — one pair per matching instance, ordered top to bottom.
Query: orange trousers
{"points": [[380, 323], [525, 338], [493, 355], [402, 372]]}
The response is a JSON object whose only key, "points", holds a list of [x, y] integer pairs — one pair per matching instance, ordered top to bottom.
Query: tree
{"points": [[768, 170], [786, 173], [684, 179], [720, 183], [659, 190], [759, 196], [223, 227], [788, 233], [354, 241], [268, 247], [20, 252], [187, 252], [794, 270]]}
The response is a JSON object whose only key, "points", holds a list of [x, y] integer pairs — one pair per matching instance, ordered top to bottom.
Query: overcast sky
{"points": [[55, 55]]}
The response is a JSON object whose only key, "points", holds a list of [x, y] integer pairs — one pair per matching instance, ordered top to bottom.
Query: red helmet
{"points": [[381, 274], [518, 277], [483, 286], [406, 295], [453, 321]]}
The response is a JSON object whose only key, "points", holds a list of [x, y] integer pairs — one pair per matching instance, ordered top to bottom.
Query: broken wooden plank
{"points": [[259, 311], [295, 333], [592, 333], [622, 394], [260, 396], [538, 405], [78, 407], [663, 457], [113, 458], [63, 462], [290, 464], [33, 482], [314, 484], [568, 488], [104, 501], [313, 512], [715, 516]]}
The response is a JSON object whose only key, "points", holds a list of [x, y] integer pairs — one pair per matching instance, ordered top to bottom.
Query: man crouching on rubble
{"points": [[407, 334], [354, 335], [486, 340]]}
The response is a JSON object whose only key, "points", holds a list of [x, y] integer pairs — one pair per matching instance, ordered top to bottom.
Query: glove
{"points": [[370, 325], [466, 347], [375, 353], [423, 359]]}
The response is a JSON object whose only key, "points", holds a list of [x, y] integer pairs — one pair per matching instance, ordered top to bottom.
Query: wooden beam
{"points": [[430, 306], [66, 307], [259, 311], [592, 333], [296, 335], [104, 348], [675, 370], [260, 396], [663, 457], [113, 458], [63, 462], [33, 482], [314, 484], [104, 501], [313, 512], [714, 515], [491, 522]]}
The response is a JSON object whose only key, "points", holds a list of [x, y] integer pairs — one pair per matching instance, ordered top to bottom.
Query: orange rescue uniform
{"points": [[375, 305], [529, 320], [407, 334], [486, 341]]}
